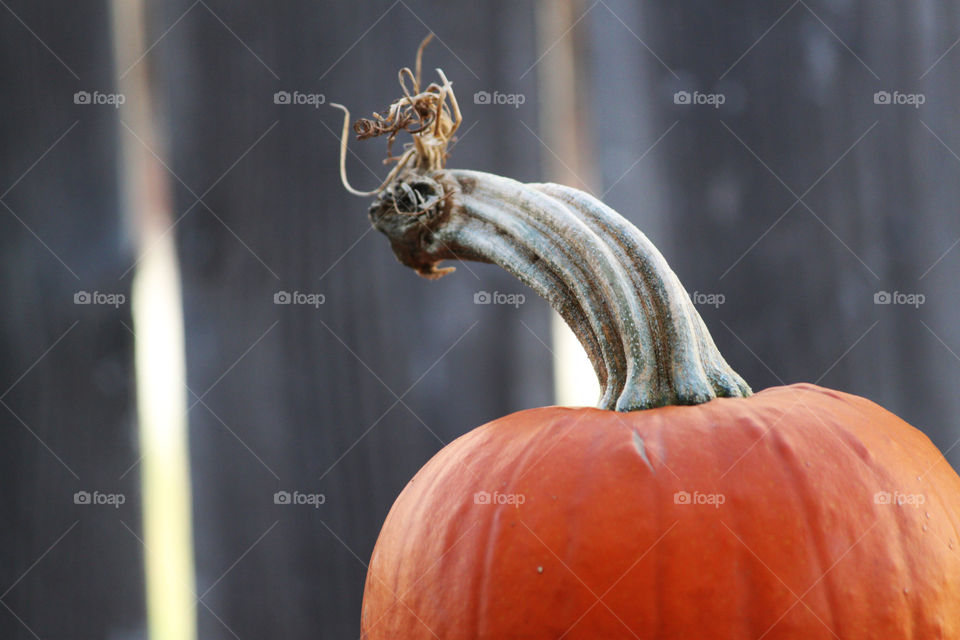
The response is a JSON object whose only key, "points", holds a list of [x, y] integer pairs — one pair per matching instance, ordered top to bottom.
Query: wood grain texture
{"points": [[716, 189], [66, 374], [311, 407]]}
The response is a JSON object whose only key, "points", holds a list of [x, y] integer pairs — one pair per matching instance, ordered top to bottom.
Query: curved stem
{"points": [[516, 258], [683, 339], [646, 341]]}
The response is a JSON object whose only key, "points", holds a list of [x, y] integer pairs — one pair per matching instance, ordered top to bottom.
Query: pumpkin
{"points": [[684, 506], [798, 512]]}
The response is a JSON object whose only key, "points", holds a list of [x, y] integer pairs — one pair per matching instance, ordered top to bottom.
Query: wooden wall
{"points": [[66, 370], [351, 398]]}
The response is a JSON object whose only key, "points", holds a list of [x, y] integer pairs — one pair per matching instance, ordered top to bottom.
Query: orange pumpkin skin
{"points": [[837, 520]]}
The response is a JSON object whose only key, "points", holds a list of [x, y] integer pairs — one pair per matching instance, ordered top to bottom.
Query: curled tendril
{"points": [[430, 116]]}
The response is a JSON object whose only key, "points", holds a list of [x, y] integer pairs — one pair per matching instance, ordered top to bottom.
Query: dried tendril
{"points": [[431, 116]]}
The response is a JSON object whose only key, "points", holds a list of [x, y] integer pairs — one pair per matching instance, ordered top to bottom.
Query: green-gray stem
{"points": [[647, 343]]}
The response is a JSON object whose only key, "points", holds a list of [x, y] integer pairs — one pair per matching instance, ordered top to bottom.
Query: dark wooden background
{"points": [[66, 373], [350, 399]]}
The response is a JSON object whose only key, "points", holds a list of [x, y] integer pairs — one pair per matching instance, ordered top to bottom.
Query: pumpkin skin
{"points": [[802, 546]]}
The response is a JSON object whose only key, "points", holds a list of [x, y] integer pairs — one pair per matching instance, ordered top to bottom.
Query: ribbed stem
{"points": [[637, 324]]}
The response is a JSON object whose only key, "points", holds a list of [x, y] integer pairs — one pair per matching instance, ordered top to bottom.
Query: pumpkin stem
{"points": [[646, 341]]}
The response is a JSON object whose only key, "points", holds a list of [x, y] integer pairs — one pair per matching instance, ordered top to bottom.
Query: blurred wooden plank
{"points": [[880, 187], [297, 398], [66, 569]]}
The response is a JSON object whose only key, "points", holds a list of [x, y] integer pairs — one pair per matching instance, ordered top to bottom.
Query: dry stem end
{"points": [[431, 116]]}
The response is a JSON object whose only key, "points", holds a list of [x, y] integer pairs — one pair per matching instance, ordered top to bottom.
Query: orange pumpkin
{"points": [[685, 506], [799, 512]]}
